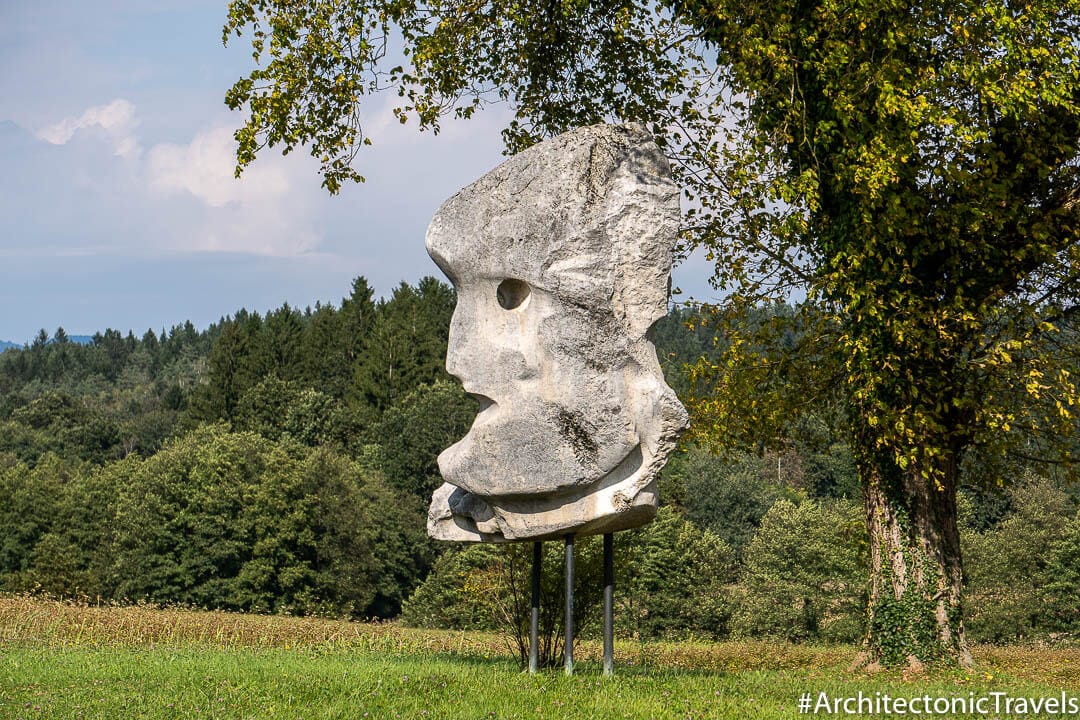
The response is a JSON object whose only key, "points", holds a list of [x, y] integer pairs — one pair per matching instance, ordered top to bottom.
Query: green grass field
{"points": [[68, 661]]}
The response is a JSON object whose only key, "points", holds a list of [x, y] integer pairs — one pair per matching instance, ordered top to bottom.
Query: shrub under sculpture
{"points": [[561, 257]]}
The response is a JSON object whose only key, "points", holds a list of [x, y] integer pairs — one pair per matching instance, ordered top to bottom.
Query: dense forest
{"points": [[283, 463]]}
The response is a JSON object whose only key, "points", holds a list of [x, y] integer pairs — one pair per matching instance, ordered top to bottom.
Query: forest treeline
{"points": [[283, 463]]}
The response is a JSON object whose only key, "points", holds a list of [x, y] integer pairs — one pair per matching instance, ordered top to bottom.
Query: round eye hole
{"points": [[512, 293]]}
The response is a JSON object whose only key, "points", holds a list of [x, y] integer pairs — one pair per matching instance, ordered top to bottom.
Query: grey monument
{"points": [[561, 257]]}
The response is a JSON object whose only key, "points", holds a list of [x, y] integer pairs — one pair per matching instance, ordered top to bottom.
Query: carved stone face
{"points": [[561, 258], [552, 382]]}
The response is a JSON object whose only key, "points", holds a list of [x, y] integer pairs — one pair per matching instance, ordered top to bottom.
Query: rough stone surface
{"points": [[561, 257]]}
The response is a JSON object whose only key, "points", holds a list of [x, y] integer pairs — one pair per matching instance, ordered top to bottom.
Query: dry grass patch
{"points": [[36, 620], [61, 622], [1037, 663]]}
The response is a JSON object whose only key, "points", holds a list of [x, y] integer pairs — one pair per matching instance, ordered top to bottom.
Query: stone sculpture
{"points": [[561, 258]]}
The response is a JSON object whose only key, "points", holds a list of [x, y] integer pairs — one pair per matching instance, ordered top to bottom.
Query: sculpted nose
{"points": [[458, 344], [484, 349]]}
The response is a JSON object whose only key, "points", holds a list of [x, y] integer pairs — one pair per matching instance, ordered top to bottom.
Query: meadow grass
{"points": [[62, 660]]}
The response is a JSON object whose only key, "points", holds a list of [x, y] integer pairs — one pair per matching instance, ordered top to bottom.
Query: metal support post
{"points": [[609, 603], [534, 609], [568, 641]]}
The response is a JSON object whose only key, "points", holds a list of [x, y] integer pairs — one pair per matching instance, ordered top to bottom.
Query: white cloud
{"points": [[117, 120], [204, 168], [184, 197], [262, 213], [266, 229]]}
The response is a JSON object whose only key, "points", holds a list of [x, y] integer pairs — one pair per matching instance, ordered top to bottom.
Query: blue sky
{"points": [[117, 203]]}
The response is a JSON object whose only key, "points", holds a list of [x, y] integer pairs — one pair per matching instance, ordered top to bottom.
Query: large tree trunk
{"points": [[915, 612]]}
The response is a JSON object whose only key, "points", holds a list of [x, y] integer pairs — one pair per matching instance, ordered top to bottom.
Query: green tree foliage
{"points": [[562, 65], [921, 167], [912, 169], [356, 317], [285, 333], [681, 339], [406, 344], [366, 355], [239, 358], [284, 376], [102, 400], [263, 407], [278, 409], [65, 425], [411, 434], [25, 443], [825, 467], [729, 493], [726, 496], [29, 500], [983, 507], [271, 513], [230, 520], [54, 525], [179, 537], [54, 568], [1021, 573], [804, 574], [672, 581], [676, 581], [483, 586], [460, 593], [1062, 612]]}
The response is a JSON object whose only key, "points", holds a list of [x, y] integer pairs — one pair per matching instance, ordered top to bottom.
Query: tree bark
{"points": [[915, 613]]}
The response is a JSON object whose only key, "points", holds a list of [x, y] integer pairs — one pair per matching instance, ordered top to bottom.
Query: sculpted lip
{"points": [[487, 407]]}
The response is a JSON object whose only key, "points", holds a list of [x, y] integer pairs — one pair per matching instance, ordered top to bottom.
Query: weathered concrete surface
{"points": [[561, 257]]}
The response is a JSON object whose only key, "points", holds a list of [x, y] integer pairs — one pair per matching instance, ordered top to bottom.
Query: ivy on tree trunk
{"points": [[914, 611]]}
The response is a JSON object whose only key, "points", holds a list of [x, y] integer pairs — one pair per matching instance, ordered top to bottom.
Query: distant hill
{"points": [[4, 345]]}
